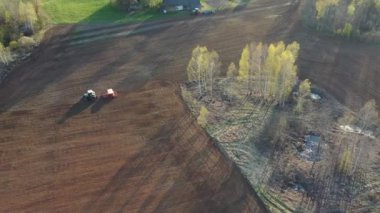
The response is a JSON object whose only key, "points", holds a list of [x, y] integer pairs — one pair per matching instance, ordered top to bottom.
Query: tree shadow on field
{"points": [[106, 14], [112, 14], [133, 57], [43, 68], [99, 104], [75, 109], [268, 136], [139, 164], [204, 179]]}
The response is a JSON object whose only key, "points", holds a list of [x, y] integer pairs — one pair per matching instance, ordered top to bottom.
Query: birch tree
{"points": [[27, 14], [346, 18], [5, 54], [258, 57], [272, 64], [244, 66], [196, 67], [203, 68], [213, 69], [282, 70], [232, 71], [270, 71], [287, 76], [303, 92], [368, 115]]}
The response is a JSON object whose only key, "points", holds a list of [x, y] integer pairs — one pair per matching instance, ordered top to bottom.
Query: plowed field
{"points": [[142, 151]]}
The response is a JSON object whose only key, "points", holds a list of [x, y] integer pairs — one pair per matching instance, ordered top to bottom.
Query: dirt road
{"points": [[142, 151]]}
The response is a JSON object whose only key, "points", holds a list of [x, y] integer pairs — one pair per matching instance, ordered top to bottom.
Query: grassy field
{"points": [[95, 11]]}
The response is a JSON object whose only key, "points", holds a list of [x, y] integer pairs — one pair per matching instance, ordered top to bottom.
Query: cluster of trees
{"points": [[125, 4], [346, 17], [19, 19], [203, 68], [269, 71], [368, 116], [366, 119]]}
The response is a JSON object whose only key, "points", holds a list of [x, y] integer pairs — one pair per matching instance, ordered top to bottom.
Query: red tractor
{"points": [[109, 94]]}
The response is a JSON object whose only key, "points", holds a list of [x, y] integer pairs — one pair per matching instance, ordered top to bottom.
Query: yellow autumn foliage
{"points": [[322, 5], [244, 64], [202, 118]]}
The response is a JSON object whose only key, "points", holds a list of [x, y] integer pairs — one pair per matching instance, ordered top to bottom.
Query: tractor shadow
{"points": [[98, 105], [75, 109]]}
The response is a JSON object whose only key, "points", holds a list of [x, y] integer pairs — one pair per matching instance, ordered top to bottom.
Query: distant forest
{"points": [[348, 18], [21, 24]]}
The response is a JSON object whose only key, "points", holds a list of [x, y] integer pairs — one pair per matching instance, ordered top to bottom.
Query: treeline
{"points": [[126, 4], [346, 17], [20, 20], [272, 68], [266, 71]]}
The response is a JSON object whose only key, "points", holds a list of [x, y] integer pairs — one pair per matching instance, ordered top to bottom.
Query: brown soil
{"points": [[142, 151]]}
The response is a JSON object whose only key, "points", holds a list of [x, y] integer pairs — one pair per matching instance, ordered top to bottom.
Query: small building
{"points": [[174, 5]]}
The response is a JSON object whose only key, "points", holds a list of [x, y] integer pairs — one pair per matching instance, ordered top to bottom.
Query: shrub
{"points": [[152, 3], [346, 31], [39, 36], [26, 42], [13, 45], [5, 54], [232, 71], [202, 118]]}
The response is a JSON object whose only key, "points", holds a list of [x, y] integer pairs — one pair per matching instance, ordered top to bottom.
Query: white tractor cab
{"points": [[196, 11], [110, 93], [90, 95]]}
